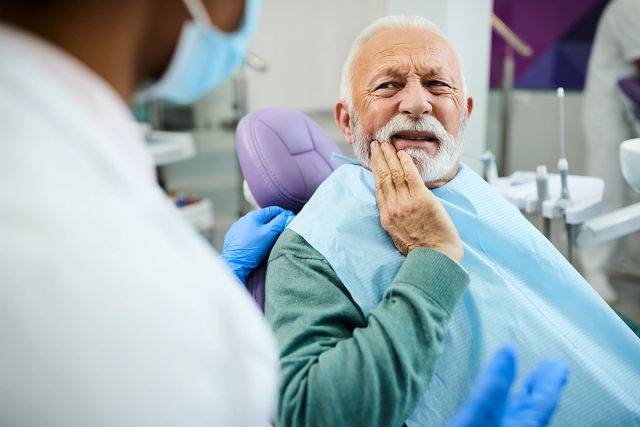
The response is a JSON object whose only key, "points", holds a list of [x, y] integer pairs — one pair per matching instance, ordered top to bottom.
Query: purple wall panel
{"points": [[544, 25], [542, 71]]}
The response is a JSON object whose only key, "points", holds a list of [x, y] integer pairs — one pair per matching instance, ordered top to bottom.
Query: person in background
{"points": [[615, 55]]}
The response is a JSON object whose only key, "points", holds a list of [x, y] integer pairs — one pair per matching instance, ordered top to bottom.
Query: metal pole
{"points": [[508, 75], [570, 242]]}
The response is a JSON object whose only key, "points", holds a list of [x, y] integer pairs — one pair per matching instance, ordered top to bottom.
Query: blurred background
{"points": [[516, 54]]}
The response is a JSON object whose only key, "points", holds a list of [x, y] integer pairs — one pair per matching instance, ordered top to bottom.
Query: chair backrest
{"points": [[284, 156]]}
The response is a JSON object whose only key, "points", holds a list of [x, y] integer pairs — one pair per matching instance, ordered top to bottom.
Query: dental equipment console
{"points": [[578, 200], [592, 229]]}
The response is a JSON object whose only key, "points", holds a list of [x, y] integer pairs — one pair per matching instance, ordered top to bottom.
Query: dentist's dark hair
{"points": [[25, 4]]}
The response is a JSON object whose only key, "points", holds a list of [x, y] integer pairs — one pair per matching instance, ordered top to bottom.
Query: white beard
{"points": [[431, 169]]}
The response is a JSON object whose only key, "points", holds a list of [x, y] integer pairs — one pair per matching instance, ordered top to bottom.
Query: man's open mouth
{"points": [[415, 136], [414, 139]]}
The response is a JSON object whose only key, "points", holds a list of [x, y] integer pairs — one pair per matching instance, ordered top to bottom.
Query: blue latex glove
{"points": [[250, 239], [490, 404]]}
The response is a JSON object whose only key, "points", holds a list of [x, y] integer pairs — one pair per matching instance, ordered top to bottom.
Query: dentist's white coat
{"points": [[113, 310]]}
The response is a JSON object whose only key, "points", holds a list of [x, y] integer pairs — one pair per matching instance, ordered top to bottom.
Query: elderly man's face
{"points": [[407, 74]]}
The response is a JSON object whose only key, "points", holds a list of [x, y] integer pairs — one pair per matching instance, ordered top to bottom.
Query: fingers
{"points": [[380, 168], [395, 168], [388, 173], [411, 175], [381, 176], [267, 214], [274, 216], [279, 223], [502, 367], [553, 375], [495, 382], [545, 384], [539, 395], [487, 401]]}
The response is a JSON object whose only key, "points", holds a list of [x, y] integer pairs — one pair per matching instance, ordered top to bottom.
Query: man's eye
{"points": [[436, 83], [388, 85]]}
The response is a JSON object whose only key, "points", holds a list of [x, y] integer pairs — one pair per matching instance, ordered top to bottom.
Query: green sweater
{"points": [[339, 370]]}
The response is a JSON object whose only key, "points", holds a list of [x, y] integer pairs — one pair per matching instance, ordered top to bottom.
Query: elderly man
{"points": [[362, 318]]}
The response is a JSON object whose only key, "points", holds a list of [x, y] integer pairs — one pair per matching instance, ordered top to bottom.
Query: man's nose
{"points": [[416, 101]]}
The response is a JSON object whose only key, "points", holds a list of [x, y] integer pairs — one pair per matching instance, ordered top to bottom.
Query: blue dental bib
{"points": [[522, 291]]}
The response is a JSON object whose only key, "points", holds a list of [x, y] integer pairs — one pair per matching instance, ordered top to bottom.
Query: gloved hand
{"points": [[250, 239], [491, 406]]}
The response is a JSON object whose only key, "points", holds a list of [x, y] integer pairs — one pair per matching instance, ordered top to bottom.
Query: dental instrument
{"points": [[563, 165], [490, 169], [542, 183]]}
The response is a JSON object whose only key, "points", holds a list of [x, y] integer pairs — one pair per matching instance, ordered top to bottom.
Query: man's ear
{"points": [[469, 109], [343, 120]]}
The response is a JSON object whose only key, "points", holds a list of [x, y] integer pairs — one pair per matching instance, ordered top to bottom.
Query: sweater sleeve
{"points": [[339, 370]]}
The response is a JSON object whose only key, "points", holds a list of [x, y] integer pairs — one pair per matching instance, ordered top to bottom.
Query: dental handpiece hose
{"points": [[563, 167], [542, 181]]}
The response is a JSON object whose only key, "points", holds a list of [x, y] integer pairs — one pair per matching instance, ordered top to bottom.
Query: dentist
{"points": [[113, 310]]}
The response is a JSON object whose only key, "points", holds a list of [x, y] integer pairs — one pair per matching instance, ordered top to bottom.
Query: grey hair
{"points": [[387, 23]]}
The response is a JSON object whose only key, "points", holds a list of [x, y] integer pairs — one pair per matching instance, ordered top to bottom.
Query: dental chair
{"points": [[284, 156]]}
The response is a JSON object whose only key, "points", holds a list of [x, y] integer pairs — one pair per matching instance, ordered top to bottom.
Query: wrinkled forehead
{"points": [[405, 51]]}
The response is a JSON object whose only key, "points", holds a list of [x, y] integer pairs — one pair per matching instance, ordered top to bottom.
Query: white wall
{"points": [[305, 43], [535, 130]]}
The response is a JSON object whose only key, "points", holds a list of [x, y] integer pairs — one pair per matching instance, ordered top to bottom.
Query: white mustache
{"points": [[401, 123], [431, 168]]}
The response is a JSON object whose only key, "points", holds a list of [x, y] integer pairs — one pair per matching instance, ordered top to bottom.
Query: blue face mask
{"points": [[205, 56]]}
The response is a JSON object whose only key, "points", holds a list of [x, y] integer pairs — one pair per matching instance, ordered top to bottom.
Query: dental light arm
{"points": [[622, 221], [609, 226]]}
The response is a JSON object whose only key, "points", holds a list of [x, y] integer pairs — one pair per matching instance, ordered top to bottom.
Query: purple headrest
{"points": [[284, 156]]}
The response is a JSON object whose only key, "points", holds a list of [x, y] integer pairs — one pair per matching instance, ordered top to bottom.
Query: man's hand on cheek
{"points": [[409, 212]]}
